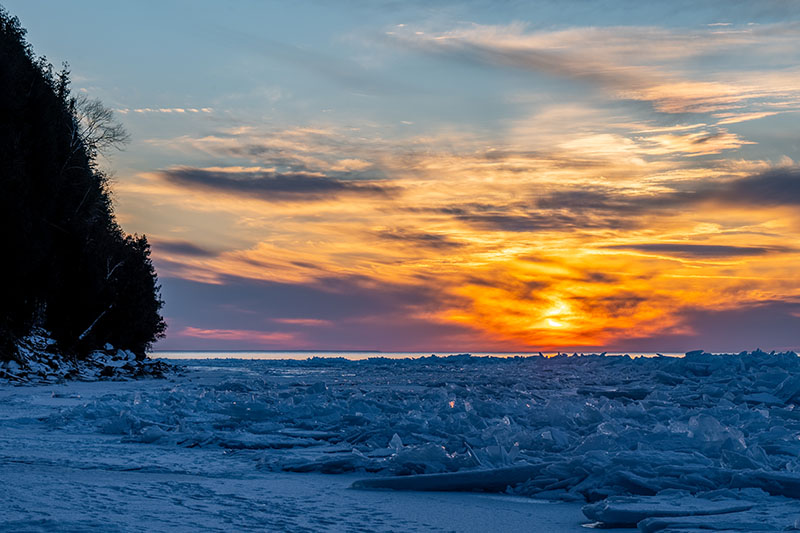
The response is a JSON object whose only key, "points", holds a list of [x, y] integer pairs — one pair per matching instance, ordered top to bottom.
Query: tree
{"points": [[96, 128], [69, 267]]}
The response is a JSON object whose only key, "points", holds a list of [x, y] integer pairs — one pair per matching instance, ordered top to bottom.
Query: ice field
{"points": [[704, 442]]}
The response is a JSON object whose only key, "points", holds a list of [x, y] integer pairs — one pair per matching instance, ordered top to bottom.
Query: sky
{"points": [[453, 176]]}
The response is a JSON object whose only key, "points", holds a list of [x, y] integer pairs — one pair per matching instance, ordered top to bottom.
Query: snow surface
{"points": [[703, 442]]}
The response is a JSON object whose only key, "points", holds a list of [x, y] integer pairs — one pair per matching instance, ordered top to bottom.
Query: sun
{"points": [[557, 315]]}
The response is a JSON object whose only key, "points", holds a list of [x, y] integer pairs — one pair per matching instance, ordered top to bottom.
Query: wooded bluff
{"points": [[67, 265]]}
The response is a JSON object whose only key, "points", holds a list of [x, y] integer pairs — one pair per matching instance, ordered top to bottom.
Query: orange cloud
{"points": [[310, 322], [238, 335]]}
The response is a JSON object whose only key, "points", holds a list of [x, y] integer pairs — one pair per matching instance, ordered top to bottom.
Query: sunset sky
{"points": [[453, 176]]}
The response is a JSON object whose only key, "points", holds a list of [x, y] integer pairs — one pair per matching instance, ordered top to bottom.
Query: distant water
{"points": [[355, 355]]}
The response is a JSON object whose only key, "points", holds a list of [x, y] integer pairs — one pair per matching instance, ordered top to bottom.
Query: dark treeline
{"points": [[67, 266]]}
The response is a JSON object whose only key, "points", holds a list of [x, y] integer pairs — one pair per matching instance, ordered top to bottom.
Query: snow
{"points": [[39, 361], [663, 444]]}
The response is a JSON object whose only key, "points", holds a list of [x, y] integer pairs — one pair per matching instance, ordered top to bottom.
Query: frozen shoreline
{"points": [[642, 437], [77, 480], [67, 499]]}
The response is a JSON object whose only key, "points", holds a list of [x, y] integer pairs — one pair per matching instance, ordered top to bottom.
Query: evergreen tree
{"points": [[67, 264]]}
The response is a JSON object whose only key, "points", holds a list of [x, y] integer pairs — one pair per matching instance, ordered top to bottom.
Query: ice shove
{"points": [[38, 361], [580, 428], [627, 511]]}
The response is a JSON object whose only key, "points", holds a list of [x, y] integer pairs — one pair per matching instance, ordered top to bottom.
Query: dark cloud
{"points": [[273, 186], [778, 187], [774, 188], [592, 199], [462, 209], [522, 217], [542, 221], [421, 239], [180, 248], [699, 250], [301, 264], [601, 277]]}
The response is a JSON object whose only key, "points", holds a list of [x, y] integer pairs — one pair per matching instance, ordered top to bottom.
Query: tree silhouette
{"points": [[96, 127], [67, 264]]}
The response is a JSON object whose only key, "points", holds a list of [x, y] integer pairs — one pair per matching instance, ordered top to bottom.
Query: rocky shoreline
{"points": [[38, 361]]}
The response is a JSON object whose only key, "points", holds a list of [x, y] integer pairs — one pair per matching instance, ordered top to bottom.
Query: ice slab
{"points": [[495, 480], [621, 511]]}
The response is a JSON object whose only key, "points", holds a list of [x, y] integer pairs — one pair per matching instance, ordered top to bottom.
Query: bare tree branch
{"points": [[96, 126], [110, 269], [96, 320]]}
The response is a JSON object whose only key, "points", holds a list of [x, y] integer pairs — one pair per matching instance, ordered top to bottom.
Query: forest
{"points": [[68, 267]]}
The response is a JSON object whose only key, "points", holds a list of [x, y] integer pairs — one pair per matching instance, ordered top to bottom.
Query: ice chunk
{"points": [[789, 389], [763, 397], [309, 433], [152, 434], [396, 443], [487, 480], [778, 483], [621, 511], [773, 517]]}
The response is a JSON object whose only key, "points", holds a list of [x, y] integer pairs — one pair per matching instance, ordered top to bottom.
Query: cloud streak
{"points": [[165, 110], [274, 186], [775, 188], [421, 239], [179, 247], [699, 251], [251, 336]]}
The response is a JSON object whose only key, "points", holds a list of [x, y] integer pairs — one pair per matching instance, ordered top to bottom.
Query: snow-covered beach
{"points": [[277, 445]]}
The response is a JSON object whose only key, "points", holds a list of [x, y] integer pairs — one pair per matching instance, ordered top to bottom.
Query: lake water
{"points": [[353, 355]]}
